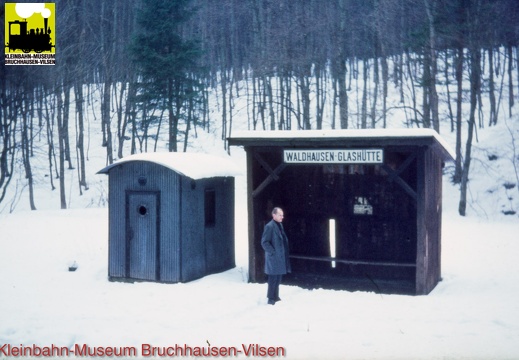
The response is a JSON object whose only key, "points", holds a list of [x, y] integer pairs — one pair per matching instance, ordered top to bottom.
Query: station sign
{"points": [[334, 156]]}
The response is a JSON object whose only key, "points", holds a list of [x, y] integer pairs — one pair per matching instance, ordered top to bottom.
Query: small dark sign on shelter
{"points": [[362, 207], [171, 216]]}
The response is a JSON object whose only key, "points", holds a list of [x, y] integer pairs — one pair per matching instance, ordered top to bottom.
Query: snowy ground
{"points": [[472, 314]]}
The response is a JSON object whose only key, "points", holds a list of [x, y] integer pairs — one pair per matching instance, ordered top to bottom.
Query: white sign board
{"points": [[331, 156], [362, 206]]}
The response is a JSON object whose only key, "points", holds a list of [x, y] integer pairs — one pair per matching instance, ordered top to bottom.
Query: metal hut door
{"points": [[142, 236]]}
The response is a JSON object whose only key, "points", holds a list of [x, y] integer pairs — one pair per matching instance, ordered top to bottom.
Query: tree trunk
{"points": [[430, 8], [510, 80], [385, 81], [304, 84], [223, 85], [475, 86], [447, 87], [491, 88], [375, 92], [343, 94], [320, 97], [426, 97], [270, 101], [282, 101], [288, 101], [459, 102], [364, 108], [190, 110], [231, 110], [66, 117], [106, 119], [122, 120], [26, 124], [80, 136], [61, 137], [50, 142], [7, 152]]}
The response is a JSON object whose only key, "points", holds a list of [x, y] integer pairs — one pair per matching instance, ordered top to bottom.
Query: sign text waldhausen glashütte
{"points": [[333, 156]]}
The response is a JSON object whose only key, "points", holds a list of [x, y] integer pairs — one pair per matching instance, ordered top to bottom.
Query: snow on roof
{"points": [[346, 134], [193, 165]]}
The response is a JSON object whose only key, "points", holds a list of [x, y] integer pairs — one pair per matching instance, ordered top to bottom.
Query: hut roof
{"points": [[347, 137], [193, 165]]}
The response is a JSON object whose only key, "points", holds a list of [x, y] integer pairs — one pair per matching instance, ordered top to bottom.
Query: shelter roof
{"points": [[347, 137], [194, 165]]}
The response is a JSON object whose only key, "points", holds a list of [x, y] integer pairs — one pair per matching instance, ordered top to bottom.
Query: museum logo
{"points": [[30, 34]]}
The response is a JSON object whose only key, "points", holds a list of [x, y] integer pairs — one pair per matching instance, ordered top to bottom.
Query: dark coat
{"points": [[277, 260]]}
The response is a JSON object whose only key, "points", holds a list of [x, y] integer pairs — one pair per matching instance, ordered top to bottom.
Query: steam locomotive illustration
{"points": [[37, 40]]}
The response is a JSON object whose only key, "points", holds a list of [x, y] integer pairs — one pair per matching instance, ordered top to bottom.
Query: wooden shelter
{"points": [[362, 207], [171, 216]]}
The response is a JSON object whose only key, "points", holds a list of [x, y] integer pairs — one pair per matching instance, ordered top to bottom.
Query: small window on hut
{"points": [[210, 207]]}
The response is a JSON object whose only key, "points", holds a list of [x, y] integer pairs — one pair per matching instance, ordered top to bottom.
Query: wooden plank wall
{"points": [[428, 271]]}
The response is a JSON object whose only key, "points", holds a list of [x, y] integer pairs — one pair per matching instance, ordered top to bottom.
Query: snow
{"points": [[348, 134], [194, 165], [472, 314]]}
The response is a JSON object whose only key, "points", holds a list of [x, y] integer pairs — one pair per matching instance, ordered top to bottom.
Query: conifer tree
{"points": [[166, 61]]}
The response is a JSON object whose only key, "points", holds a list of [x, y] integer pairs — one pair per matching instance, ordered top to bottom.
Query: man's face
{"points": [[278, 216]]}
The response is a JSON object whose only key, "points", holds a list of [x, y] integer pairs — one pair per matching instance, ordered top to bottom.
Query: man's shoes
{"points": [[273, 301]]}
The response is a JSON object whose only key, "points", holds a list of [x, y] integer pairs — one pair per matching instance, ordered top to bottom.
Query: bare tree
{"points": [[430, 10], [475, 88]]}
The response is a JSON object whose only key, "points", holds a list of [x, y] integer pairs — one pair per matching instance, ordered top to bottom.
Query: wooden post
{"points": [[421, 232], [253, 271]]}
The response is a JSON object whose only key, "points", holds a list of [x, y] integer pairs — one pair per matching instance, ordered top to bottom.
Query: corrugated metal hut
{"points": [[362, 207], [171, 216]]}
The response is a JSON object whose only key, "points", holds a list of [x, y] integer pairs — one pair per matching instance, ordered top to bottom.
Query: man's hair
{"points": [[275, 210]]}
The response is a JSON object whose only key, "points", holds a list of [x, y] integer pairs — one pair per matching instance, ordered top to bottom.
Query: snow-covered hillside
{"points": [[472, 314]]}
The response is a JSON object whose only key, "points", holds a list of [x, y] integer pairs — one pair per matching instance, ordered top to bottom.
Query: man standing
{"points": [[277, 263]]}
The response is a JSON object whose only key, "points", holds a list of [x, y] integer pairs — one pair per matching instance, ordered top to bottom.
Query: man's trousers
{"points": [[273, 287]]}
